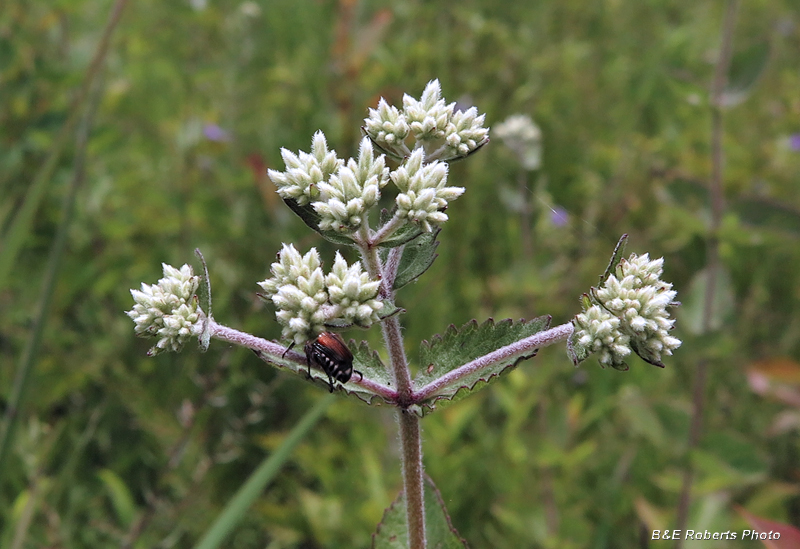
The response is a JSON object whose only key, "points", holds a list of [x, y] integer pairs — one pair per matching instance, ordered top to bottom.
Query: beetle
{"points": [[329, 352]]}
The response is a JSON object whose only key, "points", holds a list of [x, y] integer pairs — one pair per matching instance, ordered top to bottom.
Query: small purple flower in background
{"points": [[215, 133], [794, 142], [559, 216]]}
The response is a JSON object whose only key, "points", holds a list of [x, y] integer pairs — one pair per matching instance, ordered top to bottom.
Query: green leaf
{"points": [[745, 70], [765, 214], [311, 218], [616, 257], [417, 258], [204, 294], [693, 307], [458, 346], [365, 360], [121, 498], [392, 532]]}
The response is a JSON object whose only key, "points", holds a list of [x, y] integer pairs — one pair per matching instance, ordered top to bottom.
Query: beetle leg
{"points": [[330, 381]]}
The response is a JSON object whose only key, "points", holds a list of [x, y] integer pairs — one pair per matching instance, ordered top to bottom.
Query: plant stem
{"points": [[717, 208], [387, 230], [218, 331], [518, 348], [278, 355], [410, 438], [411, 448]]}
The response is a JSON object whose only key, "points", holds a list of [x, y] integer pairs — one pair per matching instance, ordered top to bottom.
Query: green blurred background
{"points": [[196, 99]]}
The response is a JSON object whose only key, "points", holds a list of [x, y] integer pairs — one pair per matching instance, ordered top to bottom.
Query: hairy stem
{"points": [[387, 230], [517, 349], [410, 438], [411, 448]]}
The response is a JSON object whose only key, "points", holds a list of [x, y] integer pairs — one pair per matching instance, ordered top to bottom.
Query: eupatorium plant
{"points": [[627, 313]]}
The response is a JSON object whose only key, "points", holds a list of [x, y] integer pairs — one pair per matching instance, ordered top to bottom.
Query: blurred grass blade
{"points": [[21, 225], [22, 377], [250, 490]]}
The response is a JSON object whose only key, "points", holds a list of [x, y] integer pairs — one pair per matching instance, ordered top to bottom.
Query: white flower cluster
{"points": [[444, 133], [523, 137], [304, 172], [341, 194], [348, 195], [423, 196], [343, 197], [352, 293], [307, 300], [168, 310], [631, 313]]}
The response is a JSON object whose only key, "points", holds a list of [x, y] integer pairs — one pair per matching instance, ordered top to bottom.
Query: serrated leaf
{"points": [[746, 68], [311, 218], [418, 256], [616, 257], [204, 295], [459, 346], [365, 361], [392, 531]]}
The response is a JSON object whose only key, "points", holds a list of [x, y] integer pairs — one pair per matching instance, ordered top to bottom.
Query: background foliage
{"points": [[197, 98]]}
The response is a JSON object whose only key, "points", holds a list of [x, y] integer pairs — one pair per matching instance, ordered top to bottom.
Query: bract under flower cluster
{"points": [[306, 299], [629, 313]]}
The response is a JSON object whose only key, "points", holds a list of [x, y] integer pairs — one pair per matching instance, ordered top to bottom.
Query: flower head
{"points": [[429, 116], [387, 126], [444, 132], [524, 138], [304, 172], [423, 195], [346, 197], [352, 293], [306, 299], [168, 310], [629, 312]]}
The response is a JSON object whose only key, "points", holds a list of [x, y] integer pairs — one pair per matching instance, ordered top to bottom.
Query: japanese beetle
{"points": [[329, 352]]}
